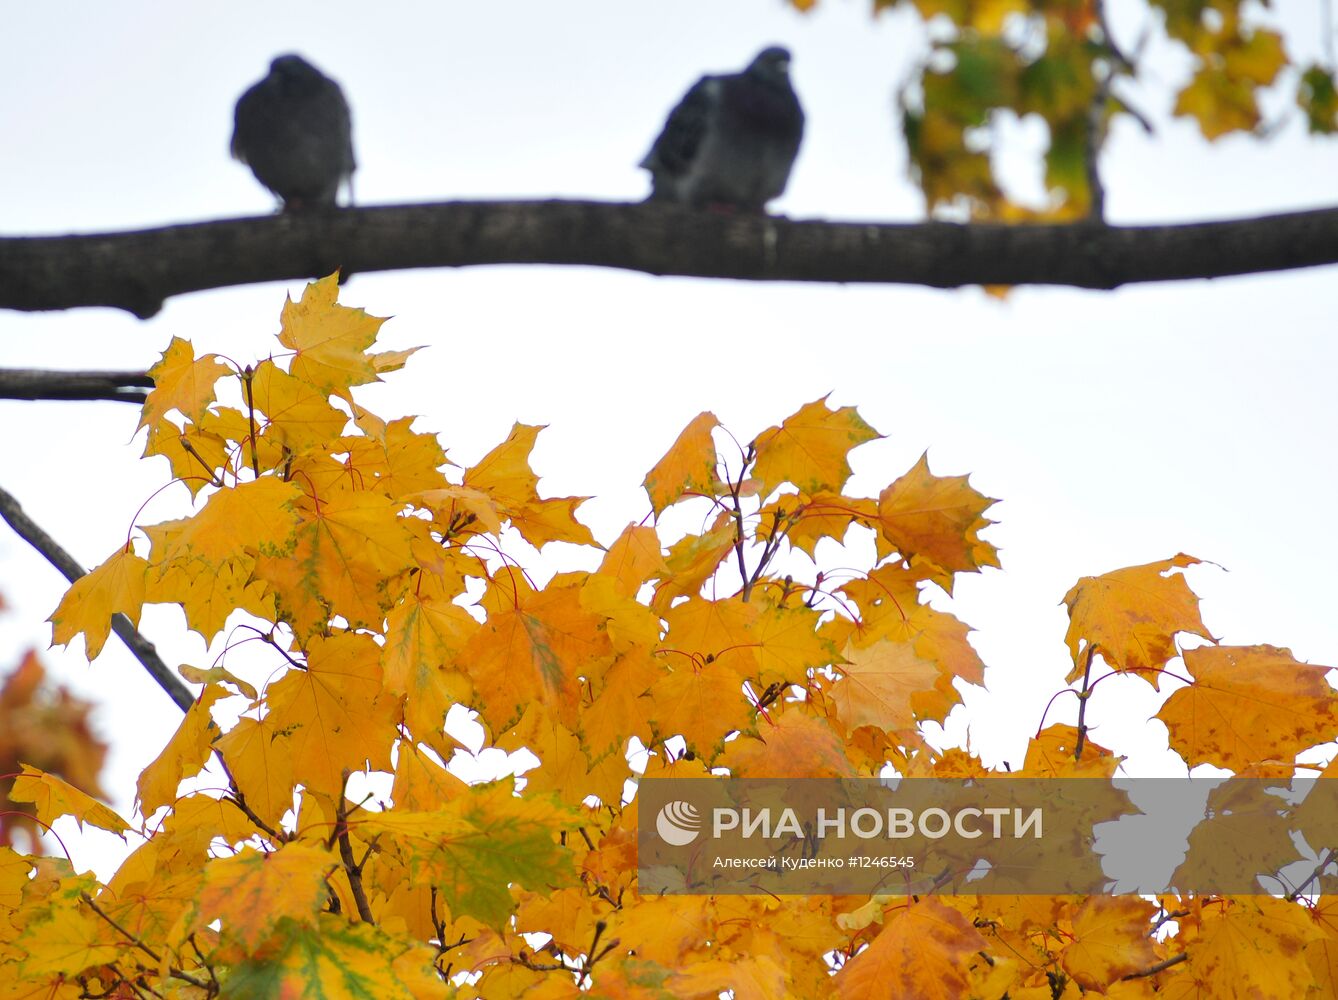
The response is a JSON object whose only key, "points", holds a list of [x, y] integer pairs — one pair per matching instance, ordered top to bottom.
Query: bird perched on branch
{"points": [[294, 131], [732, 139]]}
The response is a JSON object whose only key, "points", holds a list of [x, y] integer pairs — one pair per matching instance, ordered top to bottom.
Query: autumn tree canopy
{"points": [[377, 580], [306, 830]]}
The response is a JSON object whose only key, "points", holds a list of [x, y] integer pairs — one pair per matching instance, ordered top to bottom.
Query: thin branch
{"points": [[137, 271], [34, 383], [139, 646], [1084, 696], [1324, 862], [351, 868], [1162, 966], [185, 977]]}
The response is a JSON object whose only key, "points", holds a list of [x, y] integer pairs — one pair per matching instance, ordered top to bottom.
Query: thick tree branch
{"points": [[137, 271], [33, 383], [142, 649]]}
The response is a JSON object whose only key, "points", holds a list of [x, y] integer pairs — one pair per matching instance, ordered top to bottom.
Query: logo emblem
{"points": [[678, 823]]}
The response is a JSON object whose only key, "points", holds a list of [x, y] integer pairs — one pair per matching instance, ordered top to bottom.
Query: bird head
{"points": [[772, 63], [293, 67]]}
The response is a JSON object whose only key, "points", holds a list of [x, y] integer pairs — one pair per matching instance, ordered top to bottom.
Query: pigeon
{"points": [[294, 131], [732, 140]]}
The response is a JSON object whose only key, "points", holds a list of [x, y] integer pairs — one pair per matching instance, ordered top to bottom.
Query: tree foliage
{"points": [[1062, 62], [378, 584]]}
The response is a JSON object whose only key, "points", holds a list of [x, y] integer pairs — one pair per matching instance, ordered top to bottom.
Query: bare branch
{"points": [[137, 271], [34, 383], [142, 649]]}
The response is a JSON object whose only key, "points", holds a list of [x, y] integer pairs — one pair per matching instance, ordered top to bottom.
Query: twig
{"points": [[139, 646], [1083, 697], [1324, 862], [352, 869], [1159, 967], [185, 977]]}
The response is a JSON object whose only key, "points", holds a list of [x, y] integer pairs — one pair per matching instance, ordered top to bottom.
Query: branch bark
{"points": [[137, 271], [34, 383], [27, 529]]}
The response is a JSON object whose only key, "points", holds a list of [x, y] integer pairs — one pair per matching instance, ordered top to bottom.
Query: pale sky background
{"points": [[1117, 428]]}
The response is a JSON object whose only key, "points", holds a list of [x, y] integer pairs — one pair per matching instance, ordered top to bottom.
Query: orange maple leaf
{"points": [[809, 448], [686, 468], [937, 519], [1131, 616], [535, 648], [1249, 705], [923, 951]]}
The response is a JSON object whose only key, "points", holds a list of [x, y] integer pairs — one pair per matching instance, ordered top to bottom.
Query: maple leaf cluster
{"points": [[1059, 62], [374, 582]]}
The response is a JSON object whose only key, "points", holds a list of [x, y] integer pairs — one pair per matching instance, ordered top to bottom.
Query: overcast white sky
{"points": [[1117, 428]]}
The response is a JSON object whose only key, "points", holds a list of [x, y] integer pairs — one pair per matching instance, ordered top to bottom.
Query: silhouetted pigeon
{"points": [[294, 131], [732, 139]]}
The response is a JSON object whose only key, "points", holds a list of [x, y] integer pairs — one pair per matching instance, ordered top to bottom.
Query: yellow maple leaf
{"points": [[1219, 102], [331, 340], [181, 382], [299, 416], [810, 448], [195, 453], [392, 457], [688, 467], [504, 473], [504, 476], [454, 508], [262, 514], [813, 518], [938, 519], [347, 550], [633, 559], [692, 560], [114, 587], [209, 594], [1131, 616], [706, 632], [423, 638], [789, 644], [535, 649], [877, 684], [703, 704], [1249, 705], [621, 709], [335, 713], [795, 745], [1051, 755], [183, 756], [259, 758], [421, 784], [53, 798], [252, 891], [1110, 940], [68, 943], [1255, 947], [922, 951], [751, 977]]}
